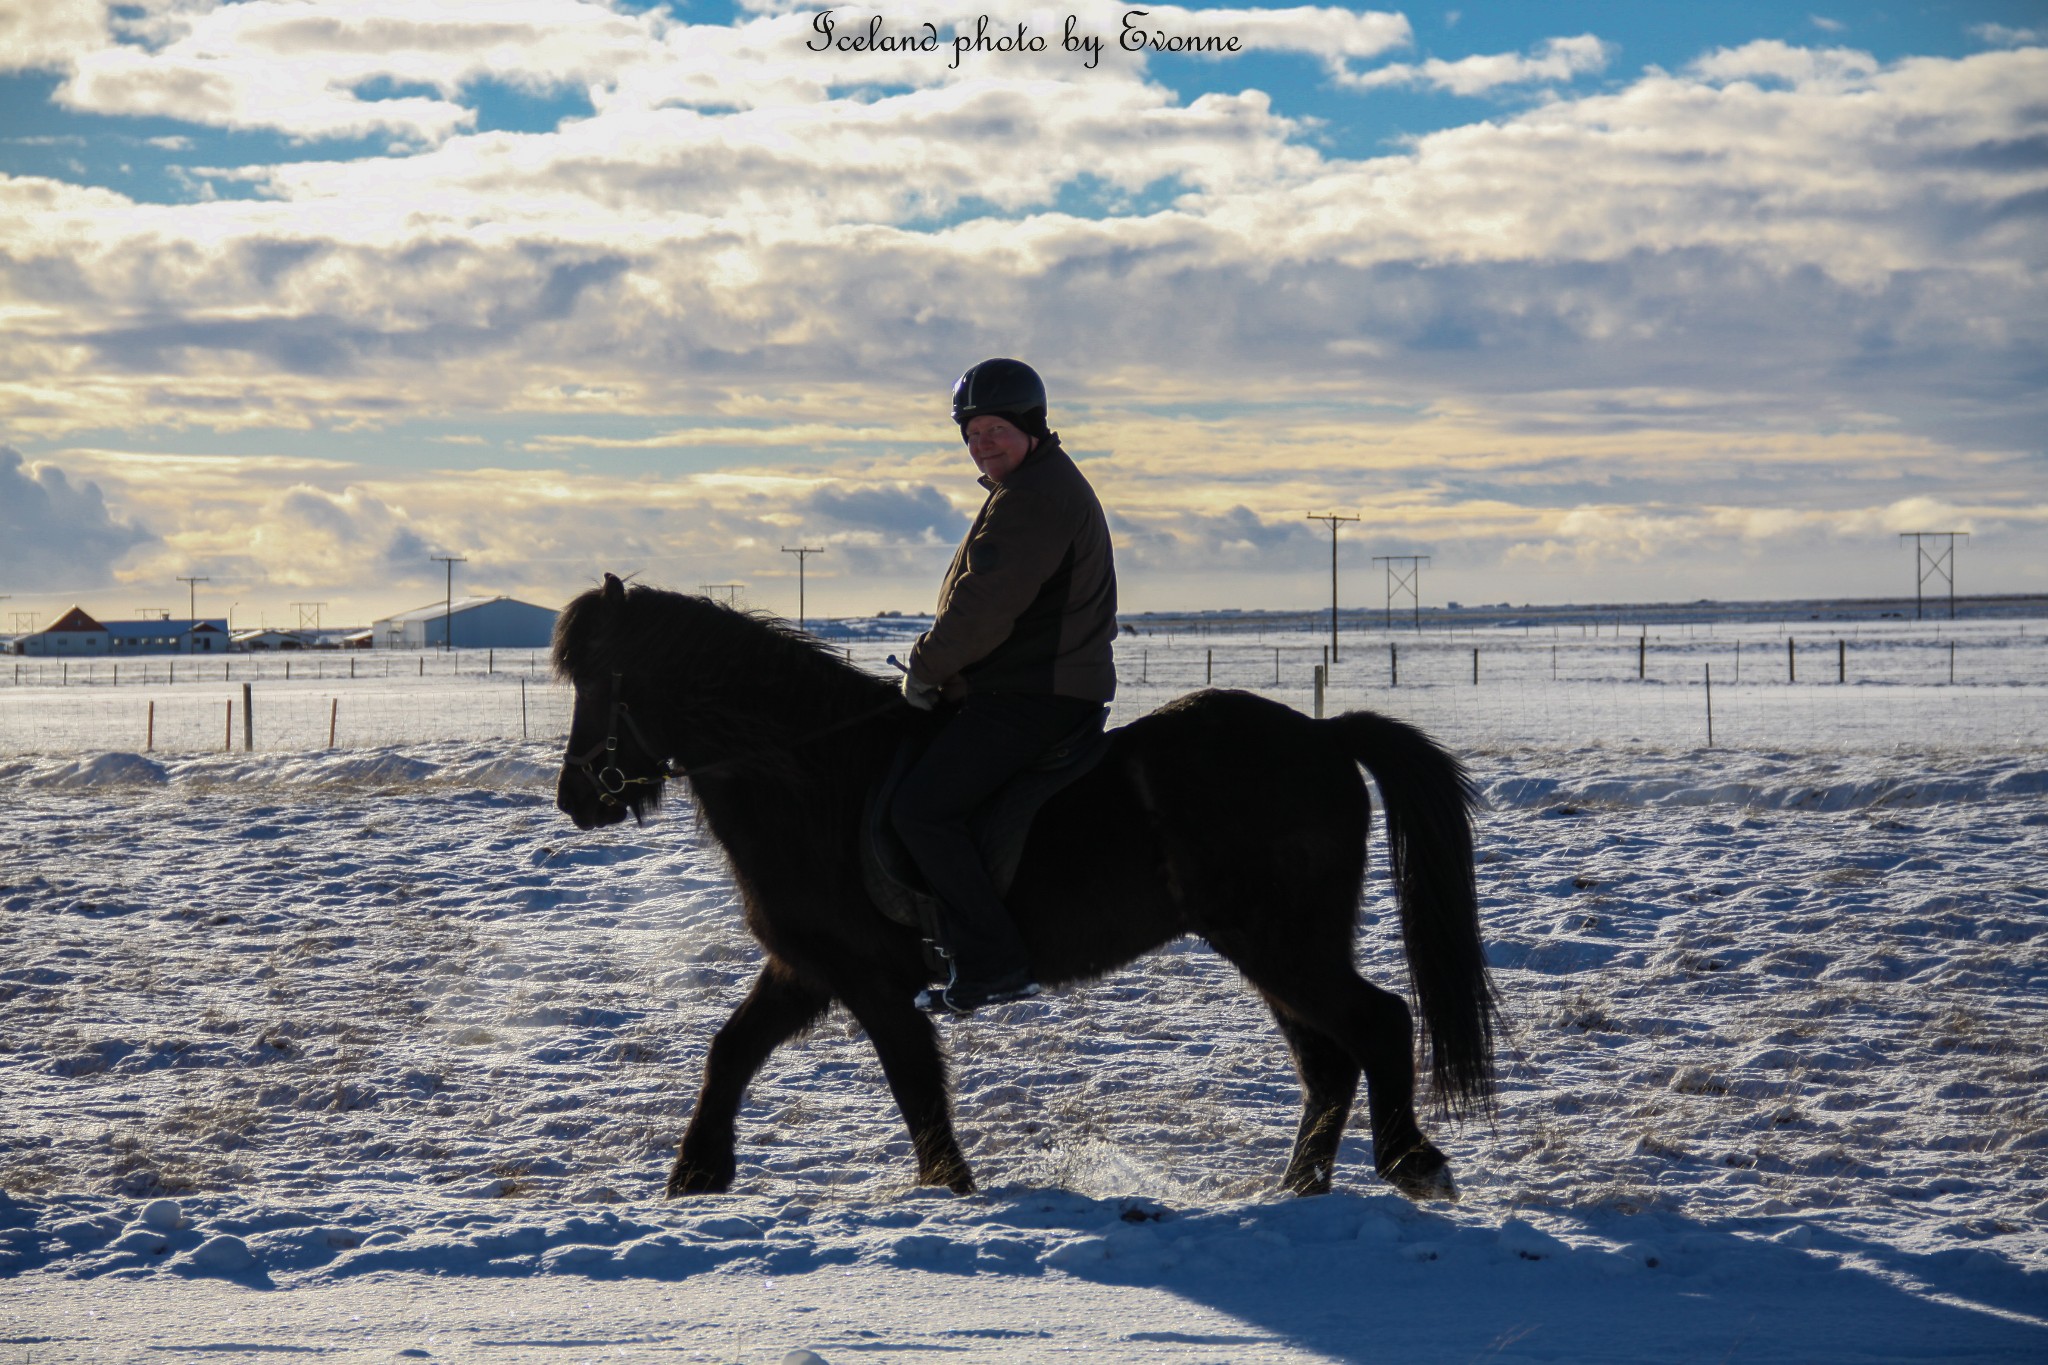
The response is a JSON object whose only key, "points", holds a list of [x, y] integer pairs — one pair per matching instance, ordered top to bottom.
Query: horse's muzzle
{"points": [[578, 798]]}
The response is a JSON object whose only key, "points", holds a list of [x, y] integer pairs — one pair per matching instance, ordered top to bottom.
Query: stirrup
{"points": [[963, 998]]}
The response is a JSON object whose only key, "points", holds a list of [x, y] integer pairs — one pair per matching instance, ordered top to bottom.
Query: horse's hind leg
{"points": [[777, 1009], [1374, 1027], [909, 1049], [1329, 1082]]}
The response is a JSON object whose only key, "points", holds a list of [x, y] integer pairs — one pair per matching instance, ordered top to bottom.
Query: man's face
{"points": [[997, 446]]}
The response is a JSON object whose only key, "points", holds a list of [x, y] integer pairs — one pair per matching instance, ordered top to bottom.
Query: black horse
{"points": [[1223, 815]]}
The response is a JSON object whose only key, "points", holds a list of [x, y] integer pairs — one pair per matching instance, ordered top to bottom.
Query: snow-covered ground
{"points": [[367, 1052]]}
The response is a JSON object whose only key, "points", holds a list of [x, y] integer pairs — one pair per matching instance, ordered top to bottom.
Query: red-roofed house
{"points": [[72, 635]]}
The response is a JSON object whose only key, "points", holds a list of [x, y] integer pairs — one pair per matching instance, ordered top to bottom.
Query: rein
{"points": [[611, 780]]}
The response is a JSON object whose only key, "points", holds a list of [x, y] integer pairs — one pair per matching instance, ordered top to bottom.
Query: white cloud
{"points": [[50, 35], [2001, 35], [1555, 60], [1815, 68], [309, 69]]}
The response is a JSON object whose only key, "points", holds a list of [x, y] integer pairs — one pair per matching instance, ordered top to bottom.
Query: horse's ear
{"points": [[614, 590]]}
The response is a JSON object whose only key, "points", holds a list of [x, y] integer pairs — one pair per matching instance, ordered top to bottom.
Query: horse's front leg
{"points": [[777, 1009], [909, 1048]]}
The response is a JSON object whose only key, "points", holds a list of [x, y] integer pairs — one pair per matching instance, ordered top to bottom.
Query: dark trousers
{"points": [[989, 740]]}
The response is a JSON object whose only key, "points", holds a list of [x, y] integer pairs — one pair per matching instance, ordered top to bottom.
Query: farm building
{"points": [[474, 622], [76, 635], [270, 638]]}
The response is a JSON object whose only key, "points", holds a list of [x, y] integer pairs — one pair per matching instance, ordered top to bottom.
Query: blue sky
{"points": [[1586, 301]]}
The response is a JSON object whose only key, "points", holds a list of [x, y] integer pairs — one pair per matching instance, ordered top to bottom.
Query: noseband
{"points": [[611, 780]]}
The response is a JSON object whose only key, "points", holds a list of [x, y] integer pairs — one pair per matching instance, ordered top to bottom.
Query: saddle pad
{"points": [[1000, 827]]}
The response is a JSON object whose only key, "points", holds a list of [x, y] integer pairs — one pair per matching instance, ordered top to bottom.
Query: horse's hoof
{"points": [[1423, 1175], [958, 1179], [687, 1180], [1314, 1180]]}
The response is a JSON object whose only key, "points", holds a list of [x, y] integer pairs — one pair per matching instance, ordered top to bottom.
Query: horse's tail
{"points": [[1429, 800]]}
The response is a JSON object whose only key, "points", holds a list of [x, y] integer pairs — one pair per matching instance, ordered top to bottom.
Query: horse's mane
{"points": [[744, 679]]}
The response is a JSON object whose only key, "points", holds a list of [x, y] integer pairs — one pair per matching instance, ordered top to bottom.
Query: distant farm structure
{"points": [[467, 623], [76, 635]]}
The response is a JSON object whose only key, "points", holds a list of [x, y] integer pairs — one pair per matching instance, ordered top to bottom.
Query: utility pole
{"points": [[1333, 518], [802, 553], [1930, 563], [1408, 580], [192, 595], [448, 605]]}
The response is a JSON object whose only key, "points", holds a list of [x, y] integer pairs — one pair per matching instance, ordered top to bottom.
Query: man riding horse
{"points": [[1019, 655]]}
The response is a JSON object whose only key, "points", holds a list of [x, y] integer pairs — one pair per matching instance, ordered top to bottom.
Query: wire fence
{"points": [[1984, 686]]}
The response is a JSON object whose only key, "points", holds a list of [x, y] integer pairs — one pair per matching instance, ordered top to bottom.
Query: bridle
{"points": [[611, 780]]}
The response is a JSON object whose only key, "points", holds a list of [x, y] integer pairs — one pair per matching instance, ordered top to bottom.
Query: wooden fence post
{"points": [[1841, 661], [1791, 663], [1393, 665], [1475, 667], [1320, 675], [1710, 706], [333, 716], [248, 721], [227, 740], [149, 744]]}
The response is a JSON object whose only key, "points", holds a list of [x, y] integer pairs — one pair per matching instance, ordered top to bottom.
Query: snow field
{"points": [[377, 1026]]}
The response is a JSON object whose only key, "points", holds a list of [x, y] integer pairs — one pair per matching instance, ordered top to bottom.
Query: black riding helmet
{"points": [[1009, 389]]}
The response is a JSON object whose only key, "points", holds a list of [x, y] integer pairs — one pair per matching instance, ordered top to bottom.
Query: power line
{"points": [[1333, 518], [802, 553], [1929, 563], [1407, 580], [192, 595], [448, 606]]}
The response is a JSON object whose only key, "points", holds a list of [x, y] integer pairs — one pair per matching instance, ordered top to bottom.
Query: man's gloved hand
{"points": [[919, 693]]}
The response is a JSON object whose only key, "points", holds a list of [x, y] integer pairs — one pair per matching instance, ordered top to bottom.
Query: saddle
{"points": [[1000, 827]]}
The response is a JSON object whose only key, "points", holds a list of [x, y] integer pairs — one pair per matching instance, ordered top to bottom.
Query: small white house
{"points": [[472, 622], [74, 635]]}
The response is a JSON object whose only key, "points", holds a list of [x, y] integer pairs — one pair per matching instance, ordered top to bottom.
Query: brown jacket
{"points": [[1029, 604]]}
